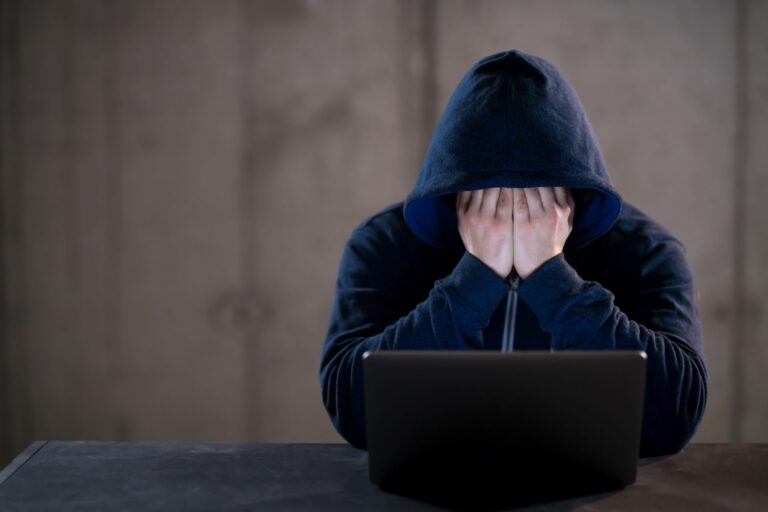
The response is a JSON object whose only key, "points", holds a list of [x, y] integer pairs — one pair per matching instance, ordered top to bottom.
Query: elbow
{"points": [[690, 411], [346, 414], [349, 423], [669, 426], [351, 432], [666, 436], [669, 442]]}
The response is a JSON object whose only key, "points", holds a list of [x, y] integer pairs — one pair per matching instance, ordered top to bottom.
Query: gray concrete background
{"points": [[179, 178]]}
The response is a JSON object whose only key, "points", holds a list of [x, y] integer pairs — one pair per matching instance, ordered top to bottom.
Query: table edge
{"points": [[20, 460]]}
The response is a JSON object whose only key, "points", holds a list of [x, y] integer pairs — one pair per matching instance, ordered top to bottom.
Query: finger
{"points": [[561, 197], [569, 197], [547, 198], [462, 200], [490, 200], [476, 201], [520, 202], [572, 204], [504, 207], [535, 208]]}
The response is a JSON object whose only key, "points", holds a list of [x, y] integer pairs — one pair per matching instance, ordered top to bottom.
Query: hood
{"points": [[513, 121]]}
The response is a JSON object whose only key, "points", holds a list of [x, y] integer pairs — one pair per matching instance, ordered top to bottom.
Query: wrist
{"points": [[497, 269], [526, 270]]}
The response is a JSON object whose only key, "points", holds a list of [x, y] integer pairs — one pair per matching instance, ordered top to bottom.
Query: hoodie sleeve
{"points": [[368, 314], [665, 323]]}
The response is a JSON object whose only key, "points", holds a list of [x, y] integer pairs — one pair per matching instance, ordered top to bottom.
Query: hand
{"points": [[543, 219], [486, 228]]}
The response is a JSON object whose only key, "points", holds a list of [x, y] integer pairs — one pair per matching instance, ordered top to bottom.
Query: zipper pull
{"points": [[510, 315]]}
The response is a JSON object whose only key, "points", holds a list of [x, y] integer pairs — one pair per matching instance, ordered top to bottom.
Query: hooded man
{"points": [[513, 201]]}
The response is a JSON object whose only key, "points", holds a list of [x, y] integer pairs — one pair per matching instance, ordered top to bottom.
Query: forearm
{"points": [[582, 315], [452, 316]]}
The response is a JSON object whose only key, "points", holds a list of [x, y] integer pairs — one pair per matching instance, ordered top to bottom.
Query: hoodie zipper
{"points": [[510, 316]]}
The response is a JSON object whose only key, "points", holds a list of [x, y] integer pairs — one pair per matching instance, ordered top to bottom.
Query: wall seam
{"points": [[428, 46], [739, 217], [114, 235], [248, 246], [15, 361]]}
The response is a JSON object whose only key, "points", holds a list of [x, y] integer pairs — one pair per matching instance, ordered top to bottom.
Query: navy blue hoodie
{"points": [[405, 280]]}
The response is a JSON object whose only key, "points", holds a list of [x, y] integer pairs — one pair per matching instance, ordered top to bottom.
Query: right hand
{"points": [[486, 226]]}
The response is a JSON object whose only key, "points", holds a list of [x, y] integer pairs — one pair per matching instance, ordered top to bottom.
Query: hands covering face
{"points": [[518, 228]]}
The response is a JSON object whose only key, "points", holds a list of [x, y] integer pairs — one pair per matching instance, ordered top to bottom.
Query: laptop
{"points": [[513, 422]]}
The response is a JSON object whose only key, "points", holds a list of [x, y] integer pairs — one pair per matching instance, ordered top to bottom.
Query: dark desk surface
{"points": [[89, 475]]}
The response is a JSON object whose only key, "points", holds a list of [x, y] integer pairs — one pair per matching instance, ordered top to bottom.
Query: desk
{"points": [[119, 476]]}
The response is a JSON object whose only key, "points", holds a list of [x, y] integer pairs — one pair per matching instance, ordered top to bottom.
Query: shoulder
{"points": [[386, 220], [635, 223], [385, 230], [638, 233], [379, 241], [639, 248], [382, 249], [383, 254]]}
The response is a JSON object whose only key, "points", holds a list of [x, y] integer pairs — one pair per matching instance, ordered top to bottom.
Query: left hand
{"points": [[543, 219]]}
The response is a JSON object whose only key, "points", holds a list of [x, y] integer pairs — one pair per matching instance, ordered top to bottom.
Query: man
{"points": [[513, 200]]}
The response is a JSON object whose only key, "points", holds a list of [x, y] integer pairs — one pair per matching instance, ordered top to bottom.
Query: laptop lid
{"points": [[569, 420]]}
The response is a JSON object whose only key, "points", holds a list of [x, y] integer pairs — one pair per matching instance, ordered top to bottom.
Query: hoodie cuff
{"points": [[477, 286], [547, 287]]}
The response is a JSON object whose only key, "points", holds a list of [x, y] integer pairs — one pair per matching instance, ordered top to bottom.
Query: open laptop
{"points": [[518, 422]]}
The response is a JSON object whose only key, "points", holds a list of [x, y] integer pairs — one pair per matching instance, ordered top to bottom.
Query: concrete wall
{"points": [[179, 178]]}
